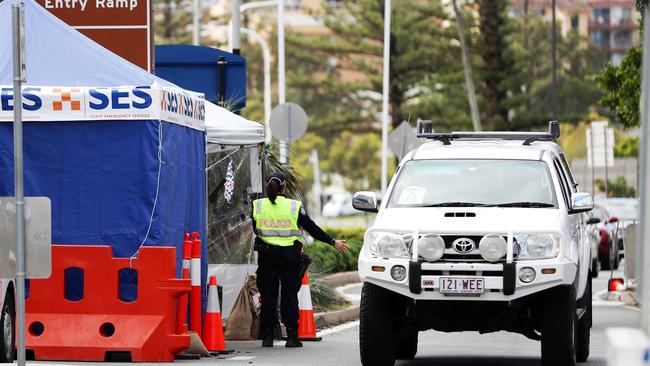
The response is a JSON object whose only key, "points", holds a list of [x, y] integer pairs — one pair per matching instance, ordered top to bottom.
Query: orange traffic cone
{"points": [[306, 325], [213, 327]]}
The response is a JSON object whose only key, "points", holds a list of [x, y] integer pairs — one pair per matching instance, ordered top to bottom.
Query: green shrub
{"points": [[617, 187], [346, 233], [326, 259], [324, 297]]}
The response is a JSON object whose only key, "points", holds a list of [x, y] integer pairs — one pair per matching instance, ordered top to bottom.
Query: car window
{"points": [[567, 168], [474, 181], [566, 191]]}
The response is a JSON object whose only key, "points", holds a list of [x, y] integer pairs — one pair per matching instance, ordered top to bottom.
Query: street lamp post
{"points": [[266, 55], [281, 58]]}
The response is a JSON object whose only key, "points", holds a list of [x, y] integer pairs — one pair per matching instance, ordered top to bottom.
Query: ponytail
{"points": [[272, 190]]}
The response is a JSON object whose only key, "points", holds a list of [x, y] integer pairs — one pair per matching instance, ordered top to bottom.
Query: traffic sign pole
{"points": [[19, 74], [288, 123]]}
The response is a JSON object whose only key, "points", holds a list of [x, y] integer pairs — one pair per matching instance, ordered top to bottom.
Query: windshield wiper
{"points": [[456, 204], [524, 204]]}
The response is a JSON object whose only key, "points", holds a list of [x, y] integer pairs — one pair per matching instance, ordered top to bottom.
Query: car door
{"points": [[577, 228]]}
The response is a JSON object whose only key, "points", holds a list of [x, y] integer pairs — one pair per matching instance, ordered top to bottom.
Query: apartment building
{"points": [[611, 25]]}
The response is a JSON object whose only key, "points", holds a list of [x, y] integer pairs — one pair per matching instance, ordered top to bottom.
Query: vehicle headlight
{"points": [[388, 245], [538, 246], [431, 247], [492, 247]]}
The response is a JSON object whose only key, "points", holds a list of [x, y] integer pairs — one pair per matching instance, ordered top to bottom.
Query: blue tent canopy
{"points": [[197, 68], [122, 165]]}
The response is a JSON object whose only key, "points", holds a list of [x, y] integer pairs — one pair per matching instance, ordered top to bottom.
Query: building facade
{"points": [[611, 25]]}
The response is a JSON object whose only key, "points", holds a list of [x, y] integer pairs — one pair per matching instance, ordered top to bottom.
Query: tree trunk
{"points": [[492, 18]]}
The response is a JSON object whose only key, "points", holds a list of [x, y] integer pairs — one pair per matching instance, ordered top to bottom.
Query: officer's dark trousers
{"points": [[278, 265]]}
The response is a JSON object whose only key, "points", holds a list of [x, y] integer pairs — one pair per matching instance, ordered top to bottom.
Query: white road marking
{"points": [[338, 328], [241, 358]]}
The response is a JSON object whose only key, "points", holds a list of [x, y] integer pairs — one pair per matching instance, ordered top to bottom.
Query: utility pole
{"points": [[196, 20], [236, 25], [554, 46], [467, 66], [282, 97], [384, 112], [643, 228]]}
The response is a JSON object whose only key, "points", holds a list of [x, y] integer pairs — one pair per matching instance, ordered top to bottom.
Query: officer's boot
{"points": [[267, 337], [292, 338]]}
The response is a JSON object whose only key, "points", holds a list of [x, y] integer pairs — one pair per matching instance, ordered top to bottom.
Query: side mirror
{"points": [[365, 201], [581, 202], [613, 219], [593, 221]]}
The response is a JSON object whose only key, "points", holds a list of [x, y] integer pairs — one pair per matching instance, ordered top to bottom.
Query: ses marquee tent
{"points": [[120, 153]]}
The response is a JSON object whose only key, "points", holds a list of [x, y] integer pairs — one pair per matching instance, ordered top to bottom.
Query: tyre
{"points": [[606, 260], [595, 268], [559, 327], [584, 327], [8, 331], [376, 343], [407, 347]]}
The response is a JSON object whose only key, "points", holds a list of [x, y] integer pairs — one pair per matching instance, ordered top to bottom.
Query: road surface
{"points": [[340, 346]]}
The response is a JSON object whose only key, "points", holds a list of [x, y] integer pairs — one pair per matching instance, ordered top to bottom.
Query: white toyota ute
{"points": [[478, 232]]}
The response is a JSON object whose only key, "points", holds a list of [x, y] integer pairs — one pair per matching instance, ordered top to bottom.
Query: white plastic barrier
{"points": [[231, 277], [627, 347]]}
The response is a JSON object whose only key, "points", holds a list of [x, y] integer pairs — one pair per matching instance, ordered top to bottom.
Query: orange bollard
{"points": [[195, 293], [181, 308], [306, 324], [213, 338]]}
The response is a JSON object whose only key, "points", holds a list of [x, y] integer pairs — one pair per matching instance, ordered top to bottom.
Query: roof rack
{"points": [[425, 130]]}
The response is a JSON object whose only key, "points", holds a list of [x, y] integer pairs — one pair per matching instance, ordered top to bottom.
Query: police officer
{"points": [[277, 222]]}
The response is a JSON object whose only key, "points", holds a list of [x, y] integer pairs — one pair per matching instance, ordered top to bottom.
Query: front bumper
{"points": [[501, 280]]}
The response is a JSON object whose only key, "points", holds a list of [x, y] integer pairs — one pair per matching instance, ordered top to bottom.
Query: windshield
{"points": [[467, 183], [623, 210]]}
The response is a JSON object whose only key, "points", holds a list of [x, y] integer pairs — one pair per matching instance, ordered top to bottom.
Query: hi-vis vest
{"points": [[277, 224]]}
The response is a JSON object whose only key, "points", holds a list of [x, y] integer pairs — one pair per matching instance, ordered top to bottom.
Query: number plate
{"points": [[462, 285]]}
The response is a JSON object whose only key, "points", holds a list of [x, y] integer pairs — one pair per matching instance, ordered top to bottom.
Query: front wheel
{"points": [[559, 327], [584, 327], [8, 329], [376, 341], [407, 347]]}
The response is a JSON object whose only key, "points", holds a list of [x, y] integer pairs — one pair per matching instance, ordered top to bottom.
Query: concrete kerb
{"points": [[341, 278], [626, 297], [332, 318]]}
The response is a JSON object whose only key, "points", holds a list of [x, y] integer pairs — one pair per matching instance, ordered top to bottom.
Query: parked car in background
{"points": [[340, 204], [626, 210], [607, 230], [594, 241]]}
